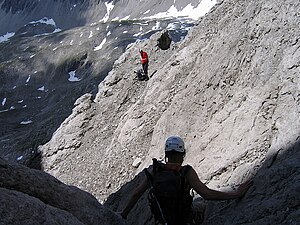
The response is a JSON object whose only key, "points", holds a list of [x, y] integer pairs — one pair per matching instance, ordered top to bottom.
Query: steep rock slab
{"points": [[225, 90], [78, 139]]}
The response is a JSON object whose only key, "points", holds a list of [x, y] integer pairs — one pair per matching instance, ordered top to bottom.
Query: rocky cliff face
{"points": [[45, 69], [231, 90], [29, 196]]}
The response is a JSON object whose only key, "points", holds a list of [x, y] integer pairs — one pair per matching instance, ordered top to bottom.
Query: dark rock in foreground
{"points": [[29, 196]]}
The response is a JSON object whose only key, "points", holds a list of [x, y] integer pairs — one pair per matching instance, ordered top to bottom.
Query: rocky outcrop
{"points": [[164, 42], [230, 90], [34, 197]]}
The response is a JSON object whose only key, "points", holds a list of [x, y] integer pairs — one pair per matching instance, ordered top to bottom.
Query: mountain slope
{"points": [[73, 13], [45, 69], [230, 90]]}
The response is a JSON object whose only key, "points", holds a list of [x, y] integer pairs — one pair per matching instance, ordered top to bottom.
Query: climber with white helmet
{"points": [[170, 184]]}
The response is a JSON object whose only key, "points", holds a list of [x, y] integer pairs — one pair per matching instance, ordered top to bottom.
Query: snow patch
{"points": [[109, 7], [188, 12], [125, 18], [45, 20], [57, 30], [91, 34], [137, 34], [6, 37], [100, 46], [73, 77], [28, 79], [41, 88], [3, 101], [26, 122]]}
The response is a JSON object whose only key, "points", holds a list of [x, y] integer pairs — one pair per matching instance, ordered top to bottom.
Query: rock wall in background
{"points": [[230, 90]]}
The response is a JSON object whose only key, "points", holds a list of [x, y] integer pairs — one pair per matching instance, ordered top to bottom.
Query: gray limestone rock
{"points": [[230, 90], [31, 196]]}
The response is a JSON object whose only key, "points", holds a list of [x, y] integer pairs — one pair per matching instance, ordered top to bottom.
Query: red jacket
{"points": [[144, 56]]}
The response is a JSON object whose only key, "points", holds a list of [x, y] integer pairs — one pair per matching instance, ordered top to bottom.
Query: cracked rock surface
{"points": [[230, 89]]}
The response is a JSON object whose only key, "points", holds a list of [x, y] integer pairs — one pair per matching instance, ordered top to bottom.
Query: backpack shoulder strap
{"points": [[156, 167], [185, 169]]}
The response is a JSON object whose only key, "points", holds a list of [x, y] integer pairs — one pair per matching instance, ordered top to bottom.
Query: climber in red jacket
{"points": [[144, 62]]}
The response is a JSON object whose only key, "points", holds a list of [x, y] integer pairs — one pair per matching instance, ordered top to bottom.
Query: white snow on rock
{"points": [[109, 7], [188, 12], [125, 18], [116, 19], [45, 20], [48, 21], [57, 30], [91, 34], [137, 34], [6, 37], [100, 46], [73, 77], [28, 79], [41, 88], [3, 101], [26, 122], [19, 158]]}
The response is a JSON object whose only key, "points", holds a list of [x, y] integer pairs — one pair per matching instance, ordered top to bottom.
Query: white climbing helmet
{"points": [[174, 143]]}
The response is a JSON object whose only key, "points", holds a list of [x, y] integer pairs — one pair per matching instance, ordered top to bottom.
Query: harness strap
{"points": [[150, 180]]}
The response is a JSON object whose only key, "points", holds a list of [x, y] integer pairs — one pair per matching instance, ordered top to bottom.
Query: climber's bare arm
{"points": [[211, 194], [135, 196]]}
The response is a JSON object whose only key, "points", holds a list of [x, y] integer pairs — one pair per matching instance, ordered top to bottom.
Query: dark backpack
{"points": [[141, 75], [169, 196]]}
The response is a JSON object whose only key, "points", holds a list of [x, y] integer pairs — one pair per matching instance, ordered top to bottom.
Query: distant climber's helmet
{"points": [[174, 143]]}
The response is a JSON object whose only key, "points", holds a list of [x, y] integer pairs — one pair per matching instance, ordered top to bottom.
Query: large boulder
{"points": [[29, 196]]}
